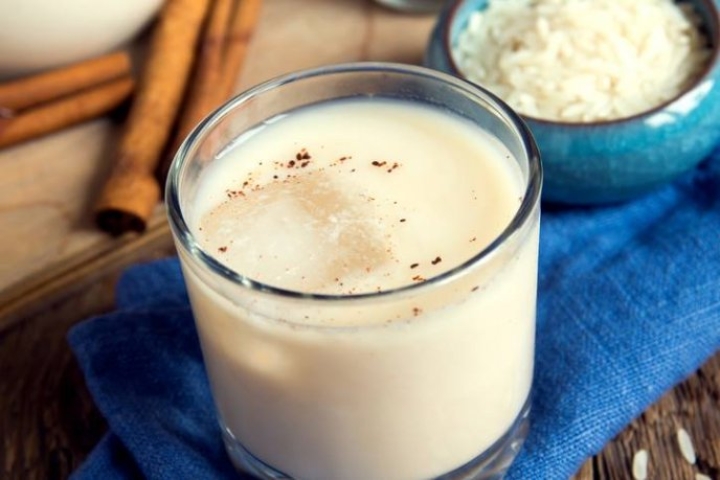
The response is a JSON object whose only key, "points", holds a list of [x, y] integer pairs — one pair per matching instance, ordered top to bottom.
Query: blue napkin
{"points": [[629, 305]]}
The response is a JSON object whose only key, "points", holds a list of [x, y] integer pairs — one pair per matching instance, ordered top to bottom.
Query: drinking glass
{"points": [[443, 393]]}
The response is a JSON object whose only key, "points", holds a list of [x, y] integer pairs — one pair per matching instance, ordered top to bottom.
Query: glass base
{"points": [[489, 465]]}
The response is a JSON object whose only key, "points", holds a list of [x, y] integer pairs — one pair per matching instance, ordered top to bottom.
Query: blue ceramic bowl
{"points": [[604, 162]]}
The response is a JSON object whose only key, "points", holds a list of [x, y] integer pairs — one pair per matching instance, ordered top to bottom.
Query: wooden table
{"points": [[57, 269]]}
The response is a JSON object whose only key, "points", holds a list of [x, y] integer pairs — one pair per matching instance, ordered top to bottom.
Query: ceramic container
{"points": [[42, 34], [612, 161]]}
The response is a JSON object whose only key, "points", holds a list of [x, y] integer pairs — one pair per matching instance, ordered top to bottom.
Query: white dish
{"points": [[41, 34]]}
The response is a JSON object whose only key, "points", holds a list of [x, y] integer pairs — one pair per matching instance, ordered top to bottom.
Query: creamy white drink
{"points": [[351, 199]]}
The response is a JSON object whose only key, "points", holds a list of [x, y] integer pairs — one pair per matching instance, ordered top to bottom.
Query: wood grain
{"points": [[57, 269], [66, 276], [48, 422]]}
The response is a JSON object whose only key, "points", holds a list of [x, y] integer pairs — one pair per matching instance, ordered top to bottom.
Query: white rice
{"points": [[582, 60], [686, 446], [640, 464]]}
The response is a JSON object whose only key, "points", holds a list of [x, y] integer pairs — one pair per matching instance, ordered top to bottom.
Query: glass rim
{"points": [[189, 243]]}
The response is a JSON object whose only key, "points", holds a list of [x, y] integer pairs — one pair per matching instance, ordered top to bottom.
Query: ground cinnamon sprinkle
{"points": [[375, 163], [234, 193], [222, 249], [436, 261], [414, 265], [418, 278], [416, 311]]}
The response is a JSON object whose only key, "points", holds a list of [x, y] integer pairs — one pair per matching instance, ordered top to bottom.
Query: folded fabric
{"points": [[629, 305]]}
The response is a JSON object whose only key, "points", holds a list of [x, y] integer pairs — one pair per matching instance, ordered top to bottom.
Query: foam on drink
{"points": [[354, 206]]}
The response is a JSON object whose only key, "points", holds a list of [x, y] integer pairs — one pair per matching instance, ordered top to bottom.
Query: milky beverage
{"points": [[357, 197]]}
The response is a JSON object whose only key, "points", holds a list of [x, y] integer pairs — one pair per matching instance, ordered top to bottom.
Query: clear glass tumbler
{"points": [[443, 393]]}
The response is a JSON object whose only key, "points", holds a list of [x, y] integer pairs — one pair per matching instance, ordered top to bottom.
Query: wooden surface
{"points": [[48, 186], [57, 269]]}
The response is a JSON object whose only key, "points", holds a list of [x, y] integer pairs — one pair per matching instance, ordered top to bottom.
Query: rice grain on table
{"points": [[582, 60], [686, 446], [640, 464]]}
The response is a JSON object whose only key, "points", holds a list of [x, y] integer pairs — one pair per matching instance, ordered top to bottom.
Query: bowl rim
{"points": [[713, 22]]}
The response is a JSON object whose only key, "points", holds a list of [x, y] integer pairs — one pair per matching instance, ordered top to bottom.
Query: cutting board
{"points": [[49, 243]]}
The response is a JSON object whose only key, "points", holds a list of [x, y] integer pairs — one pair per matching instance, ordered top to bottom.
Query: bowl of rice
{"points": [[622, 96]]}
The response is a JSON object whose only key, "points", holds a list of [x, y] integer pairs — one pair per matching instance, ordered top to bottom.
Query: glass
{"points": [[445, 394]]}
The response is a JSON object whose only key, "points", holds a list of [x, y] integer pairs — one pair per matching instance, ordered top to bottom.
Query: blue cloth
{"points": [[629, 305]]}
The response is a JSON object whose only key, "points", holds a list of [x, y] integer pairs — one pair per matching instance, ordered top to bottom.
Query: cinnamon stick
{"points": [[243, 26], [222, 52], [30, 91], [204, 94], [65, 112], [5, 116], [132, 191]]}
